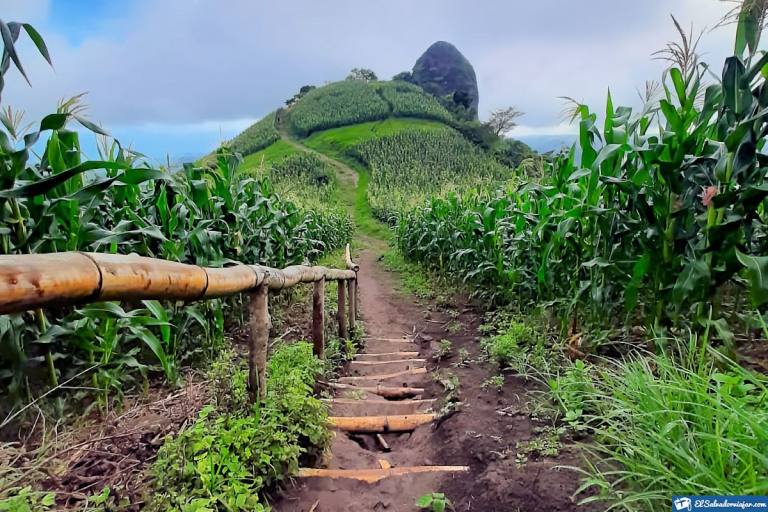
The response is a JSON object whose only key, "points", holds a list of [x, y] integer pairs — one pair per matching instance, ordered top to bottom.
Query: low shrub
{"points": [[227, 461]]}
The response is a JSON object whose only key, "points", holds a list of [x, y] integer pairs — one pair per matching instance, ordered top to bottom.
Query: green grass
{"points": [[337, 141], [270, 155], [418, 281], [666, 425]]}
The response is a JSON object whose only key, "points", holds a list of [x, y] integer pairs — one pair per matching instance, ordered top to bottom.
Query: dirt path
{"points": [[387, 315], [513, 459]]}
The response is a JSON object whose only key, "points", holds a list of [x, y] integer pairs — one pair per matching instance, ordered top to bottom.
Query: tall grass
{"points": [[663, 425]]}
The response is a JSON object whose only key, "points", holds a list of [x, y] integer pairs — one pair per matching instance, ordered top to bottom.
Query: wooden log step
{"points": [[394, 340], [387, 347], [386, 356], [384, 367], [373, 379], [390, 392], [377, 407], [374, 424], [372, 476]]}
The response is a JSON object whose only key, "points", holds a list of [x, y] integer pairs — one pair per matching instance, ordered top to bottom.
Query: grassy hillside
{"points": [[257, 136], [338, 141], [268, 156]]}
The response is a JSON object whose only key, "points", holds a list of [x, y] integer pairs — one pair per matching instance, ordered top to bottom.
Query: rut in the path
{"points": [[382, 457]]}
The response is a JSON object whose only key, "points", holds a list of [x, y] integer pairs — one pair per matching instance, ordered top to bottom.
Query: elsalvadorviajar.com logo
{"points": [[719, 503]]}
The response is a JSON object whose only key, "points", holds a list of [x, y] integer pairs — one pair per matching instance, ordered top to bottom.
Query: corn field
{"points": [[353, 101], [409, 165], [209, 215], [654, 217]]}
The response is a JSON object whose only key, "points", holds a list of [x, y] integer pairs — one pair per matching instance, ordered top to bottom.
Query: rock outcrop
{"points": [[443, 71]]}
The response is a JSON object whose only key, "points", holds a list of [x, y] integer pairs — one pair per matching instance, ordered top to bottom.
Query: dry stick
{"points": [[340, 313], [318, 319], [257, 356], [10, 418]]}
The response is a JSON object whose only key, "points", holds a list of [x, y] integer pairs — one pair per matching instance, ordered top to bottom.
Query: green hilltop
{"points": [[403, 140]]}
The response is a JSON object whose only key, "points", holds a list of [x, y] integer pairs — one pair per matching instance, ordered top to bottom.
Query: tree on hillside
{"points": [[364, 74], [404, 76], [296, 97], [503, 120]]}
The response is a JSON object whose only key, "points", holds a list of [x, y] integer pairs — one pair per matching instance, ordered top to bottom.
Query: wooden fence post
{"points": [[352, 292], [258, 309], [341, 314], [318, 319]]}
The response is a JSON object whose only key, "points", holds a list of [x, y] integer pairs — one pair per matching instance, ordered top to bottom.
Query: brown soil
{"points": [[482, 435], [113, 449]]}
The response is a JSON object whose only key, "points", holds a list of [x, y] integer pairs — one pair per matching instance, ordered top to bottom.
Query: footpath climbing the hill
{"points": [[408, 424], [410, 448], [382, 457]]}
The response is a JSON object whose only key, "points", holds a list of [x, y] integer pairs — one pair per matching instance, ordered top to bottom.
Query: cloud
{"points": [[24, 10], [178, 64]]}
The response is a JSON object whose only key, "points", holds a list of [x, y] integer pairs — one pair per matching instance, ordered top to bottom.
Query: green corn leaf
{"points": [[8, 42], [39, 42], [45, 185], [757, 275], [692, 280]]}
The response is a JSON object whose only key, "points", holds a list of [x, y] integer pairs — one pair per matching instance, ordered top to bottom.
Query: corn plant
{"points": [[410, 164], [205, 215], [652, 216]]}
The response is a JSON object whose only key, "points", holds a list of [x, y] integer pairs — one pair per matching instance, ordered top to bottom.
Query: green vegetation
{"points": [[408, 100], [358, 101], [337, 104], [256, 137], [338, 141], [270, 155], [411, 164], [208, 215], [628, 225], [652, 225], [666, 425], [230, 456], [435, 502]]}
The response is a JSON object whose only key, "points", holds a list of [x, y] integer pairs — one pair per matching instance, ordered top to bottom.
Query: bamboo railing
{"points": [[32, 281]]}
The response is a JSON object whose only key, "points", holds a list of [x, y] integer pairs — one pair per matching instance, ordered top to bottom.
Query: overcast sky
{"points": [[176, 75]]}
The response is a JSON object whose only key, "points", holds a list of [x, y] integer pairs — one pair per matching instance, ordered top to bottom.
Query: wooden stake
{"points": [[352, 283], [341, 314], [318, 318], [261, 323], [383, 443]]}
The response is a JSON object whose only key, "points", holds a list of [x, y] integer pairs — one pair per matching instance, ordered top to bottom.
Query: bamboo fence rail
{"points": [[32, 281]]}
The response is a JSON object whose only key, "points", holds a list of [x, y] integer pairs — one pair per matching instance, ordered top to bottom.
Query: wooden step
{"points": [[396, 340], [387, 347], [386, 356], [384, 367], [403, 378], [390, 392], [377, 407], [373, 424], [372, 476]]}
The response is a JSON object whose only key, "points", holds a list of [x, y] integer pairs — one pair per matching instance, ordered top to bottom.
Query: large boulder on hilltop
{"points": [[443, 71]]}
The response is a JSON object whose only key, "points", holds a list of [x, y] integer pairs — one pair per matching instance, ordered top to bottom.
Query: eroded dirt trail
{"points": [[398, 347]]}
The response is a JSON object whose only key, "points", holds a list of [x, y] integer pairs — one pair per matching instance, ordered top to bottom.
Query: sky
{"points": [[173, 78]]}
